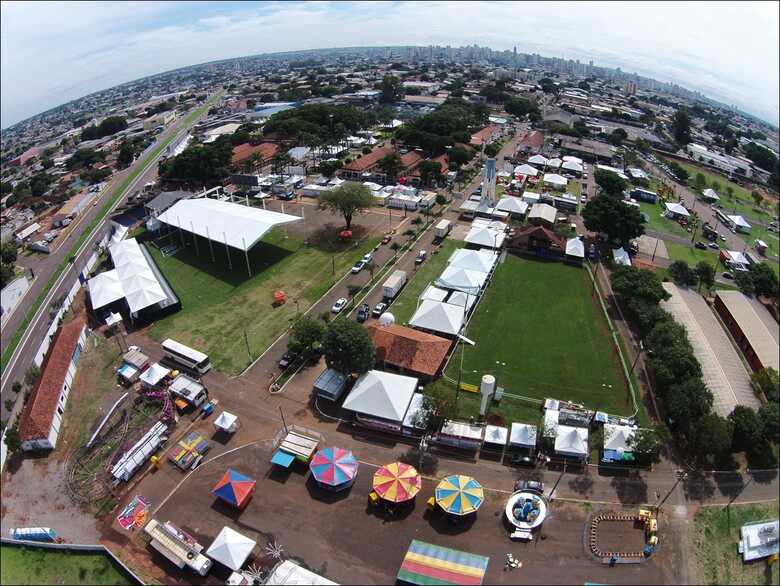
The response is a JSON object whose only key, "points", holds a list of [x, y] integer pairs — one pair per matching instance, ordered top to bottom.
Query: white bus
{"points": [[197, 361]]}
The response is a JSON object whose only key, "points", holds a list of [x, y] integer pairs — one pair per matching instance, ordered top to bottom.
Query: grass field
{"points": [[661, 224], [692, 255], [220, 306], [404, 307], [540, 331], [716, 537], [42, 566]]}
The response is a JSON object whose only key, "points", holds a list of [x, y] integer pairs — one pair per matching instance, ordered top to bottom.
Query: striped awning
{"points": [[426, 563]]}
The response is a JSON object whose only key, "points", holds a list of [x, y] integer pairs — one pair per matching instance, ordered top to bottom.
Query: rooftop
{"points": [[409, 349]]}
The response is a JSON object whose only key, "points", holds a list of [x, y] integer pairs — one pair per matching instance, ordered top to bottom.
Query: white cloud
{"points": [[54, 52]]}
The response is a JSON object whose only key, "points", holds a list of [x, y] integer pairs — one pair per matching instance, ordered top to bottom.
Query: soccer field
{"points": [[220, 305], [540, 331]]}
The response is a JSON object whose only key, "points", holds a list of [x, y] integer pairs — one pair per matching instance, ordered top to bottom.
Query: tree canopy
{"points": [[391, 88], [326, 122], [450, 123], [681, 126], [107, 127], [200, 164], [611, 183], [348, 198], [609, 215], [765, 280], [306, 335], [347, 347]]}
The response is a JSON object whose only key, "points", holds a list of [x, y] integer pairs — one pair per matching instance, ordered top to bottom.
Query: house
{"points": [[484, 137], [531, 142], [265, 152], [409, 162], [366, 165], [542, 214], [539, 241], [752, 328], [408, 350], [380, 400], [41, 419]]}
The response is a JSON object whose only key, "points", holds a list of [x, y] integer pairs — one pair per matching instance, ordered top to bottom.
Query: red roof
{"points": [[483, 135], [532, 139], [242, 152], [410, 160], [443, 160], [366, 162], [409, 349], [38, 414]]}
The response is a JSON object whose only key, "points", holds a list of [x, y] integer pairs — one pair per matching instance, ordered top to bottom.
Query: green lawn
{"points": [[575, 188], [661, 224], [771, 238], [691, 254], [220, 305], [404, 307], [540, 330], [512, 410], [716, 536], [43, 566]]}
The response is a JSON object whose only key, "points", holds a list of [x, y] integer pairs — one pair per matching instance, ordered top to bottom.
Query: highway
{"points": [[33, 336]]}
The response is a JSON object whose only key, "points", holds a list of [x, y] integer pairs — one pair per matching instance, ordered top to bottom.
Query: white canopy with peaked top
{"points": [[572, 159], [537, 160], [554, 163], [572, 166], [526, 169], [555, 179], [710, 194], [512, 205], [677, 209], [233, 224], [486, 237], [575, 247], [621, 257], [473, 260], [460, 279], [105, 288], [434, 293], [438, 317], [154, 374], [382, 394], [226, 422], [523, 435], [618, 437], [572, 441], [231, 549]]}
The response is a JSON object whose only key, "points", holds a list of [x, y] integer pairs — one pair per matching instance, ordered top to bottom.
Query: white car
{"points": [[368, 257], [358, 266], [339, 305]]}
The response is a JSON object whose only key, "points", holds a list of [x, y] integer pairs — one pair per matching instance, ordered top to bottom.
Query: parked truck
{"points": [[443, 228], [393, 285]]}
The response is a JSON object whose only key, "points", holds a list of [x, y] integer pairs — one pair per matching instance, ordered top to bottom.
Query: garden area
{"points": [[224, 310], [540, 331], [716, 538], [22, 565]]}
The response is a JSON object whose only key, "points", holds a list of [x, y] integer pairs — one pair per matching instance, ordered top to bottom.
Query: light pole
{"points": [[681, 475]]}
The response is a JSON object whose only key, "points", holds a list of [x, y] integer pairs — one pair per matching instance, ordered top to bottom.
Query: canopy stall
{"points": [[438, 317], [152, 376], [226, 422], [522, 435], [334, 468], [397, 482], [235, 488], [459, 495], [231, 549], [426, 563]]}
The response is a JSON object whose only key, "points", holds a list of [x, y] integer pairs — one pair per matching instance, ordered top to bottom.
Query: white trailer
{"points": [[443, 228], [393, 285]]}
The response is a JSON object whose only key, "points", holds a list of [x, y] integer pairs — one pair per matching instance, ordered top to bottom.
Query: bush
{"points": [[366, 150]]}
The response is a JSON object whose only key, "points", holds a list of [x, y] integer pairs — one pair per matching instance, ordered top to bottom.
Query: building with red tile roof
{"points": [[486, 135], [531, 142], [265, 150], [410, 162], [366, 163], [411, 351], [40, 422]]}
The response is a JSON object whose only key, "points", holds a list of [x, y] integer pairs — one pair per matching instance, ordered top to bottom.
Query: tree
{"points": [[109, 126], [681, 126], [618, 136], [492, 149], [459, 155], [125, 156], [391, 165], [329, 168], [430, 172], [700, 181], [610, 182], [730, 192], [347, 199], [441, 199], [758, 199], [609, 215], [9, 251], [682, 273], [705, 274], [744, 280], [765, 280], [634, 283], [306, 335], [348, 347], [669, 366], [31, 375], [768, 382], [16, 387], [438, 406], [769, 414], [747, 426], [710, 436], [12, 440], [646, 446]]}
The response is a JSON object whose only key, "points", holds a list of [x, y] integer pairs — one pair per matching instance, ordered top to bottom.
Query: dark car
{"points": [[386, 239], [701, 245], [728, 275], [363, 312], [287, 359], [519, 460], [531, 485]]}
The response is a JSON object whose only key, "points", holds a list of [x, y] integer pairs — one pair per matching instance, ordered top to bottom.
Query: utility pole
{"points": [[246, 340], [681, 475]]}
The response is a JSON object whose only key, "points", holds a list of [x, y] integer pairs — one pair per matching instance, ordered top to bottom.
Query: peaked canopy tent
{"points": [[572, 159], [538, 160], [554, 163], [572, 166], [526, 169], [556, 180], [512, 205], [675, 209], [232, 224], [485, 237], [575, 247], [621, 257], [473, 260], [460, 279], [105, 288], [434, 293], [439, 317], [154, 374], [381, 395], [226, 422], [522, 435], [572, 441], [617, 442], [334, 468], [234, 488], [459, 495], [231, 549], [426, 563]]}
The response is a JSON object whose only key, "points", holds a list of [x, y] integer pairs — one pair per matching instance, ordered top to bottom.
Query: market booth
{"points": [[226, 422], [334, 468], [234, 488], [231, 549], [426, 563]]}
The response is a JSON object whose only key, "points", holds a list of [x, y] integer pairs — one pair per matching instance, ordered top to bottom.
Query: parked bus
{"points": [[197, 361]]}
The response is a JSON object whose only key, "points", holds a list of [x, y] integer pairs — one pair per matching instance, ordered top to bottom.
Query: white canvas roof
{"points": [[571, 159], [537, 160], [555, 163], [572, 166], [526, 169], [614, 170], [555, 179], [711, 194], [530, 197], [512, 205], [676, 208], [543, 211], [739, 221], [237, 225], [486, 237], [575, 247], [621, 257], [473, 260], [461, 279], [105, 288], [434, 293], [459, 299], [438, 317], [154, 374], [382, 394], [225, 421], [550, 428], [462, 429], [496, 435], [523, 435], [616, 437], [572, 441], [759, 540], [230, 548], [288, 572]]}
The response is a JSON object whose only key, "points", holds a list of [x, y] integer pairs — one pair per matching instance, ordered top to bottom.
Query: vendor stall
{"points": [[153, 375], [226, 422], [294, 444], [334, 468], [397, 482], [235, 488], [459, 495], [231, 549], [426, 563]]}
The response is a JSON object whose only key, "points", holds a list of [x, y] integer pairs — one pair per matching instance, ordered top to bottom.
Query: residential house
{"points": [[538, 241], [411, 351]]}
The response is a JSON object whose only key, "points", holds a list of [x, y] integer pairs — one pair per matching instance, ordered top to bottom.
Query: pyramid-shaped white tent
{"points": [[572, 159], [538, 160], [554, 163], [572, 166], [526, 169], [555, 179], [512, 205], [677, 209], [486, 237], [473, 260], [461, 279], [105, 288], [434, 293], [438, 317], [382, 394], [226, 422], [522, 435], [618, 437], [572, 441], [231, 549]]}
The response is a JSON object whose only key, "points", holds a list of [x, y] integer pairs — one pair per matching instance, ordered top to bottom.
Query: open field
{"points": [[661, 224], [692, 255], [404, 307], [224, 310], [540, 331], [716, 537], [42, 566]]}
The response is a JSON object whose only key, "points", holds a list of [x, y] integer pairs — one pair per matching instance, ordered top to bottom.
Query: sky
{"points": [[51, 53]]}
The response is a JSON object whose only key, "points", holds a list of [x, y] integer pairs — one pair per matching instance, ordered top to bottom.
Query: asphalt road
{"points": [[36, 330]]}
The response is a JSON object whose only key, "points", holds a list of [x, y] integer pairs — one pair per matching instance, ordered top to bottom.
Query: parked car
{"points": [[583, 199], [722, 238], [386, 239], [701, 245], [713, 246], [421, 256], [368, 257], [358, 266], [728, 275], [339, 305], [379, 309], [363, 313], [288, 358], [520, 460], [531, 485]]}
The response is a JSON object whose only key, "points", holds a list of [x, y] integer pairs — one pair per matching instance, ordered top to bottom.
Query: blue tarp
{"points": [[283, 459]]}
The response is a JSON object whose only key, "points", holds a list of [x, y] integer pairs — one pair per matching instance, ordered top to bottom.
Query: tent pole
{"points": [[181, 236], [195, 239], [211, 248], [227, 251], [246, 255]]}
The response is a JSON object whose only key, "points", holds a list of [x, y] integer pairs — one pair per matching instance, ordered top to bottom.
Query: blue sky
{"points": [[51, 53]]}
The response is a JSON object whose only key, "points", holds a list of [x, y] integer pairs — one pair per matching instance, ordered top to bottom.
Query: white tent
{"points": [[571, 159], [537, 160], [554, 163], [572, 166], [526, 169], [614, 170], [555, 180], [710, 194], [530, 197], [512, 205], [677, 209], [544, 212], [740, 223], [233, 224], [486, 237], [575, 247], [621, 257], [473, 260], [460, 279], [105, 288], [434, 293], [460, 299], [438, 317], [154, 374], [382, 394], [226, 422], [496, 435], [523, 435], [618, 437], [572, 441], [230, 548], [288, 572]]}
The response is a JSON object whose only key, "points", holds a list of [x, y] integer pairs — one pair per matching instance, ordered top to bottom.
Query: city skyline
{"points": [[48, 59]]}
